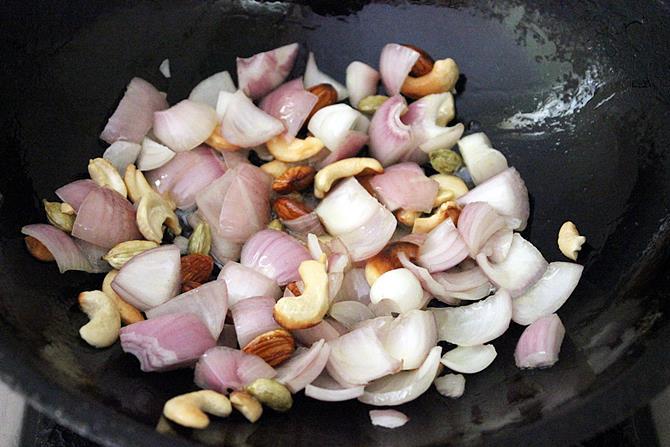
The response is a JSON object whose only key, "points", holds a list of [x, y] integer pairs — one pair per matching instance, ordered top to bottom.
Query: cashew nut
{"points": [[442, 78], [218, 142], [296, 150], [275, 168], [344, 168], [105, 174], [136, 183], [450, 187], [446, 210], [152, 212], [407, 217], [569, 240], [125, 251], [308, 309], [129, 314], [103, 329], [271, 394], [246, 404], [189, 409]]}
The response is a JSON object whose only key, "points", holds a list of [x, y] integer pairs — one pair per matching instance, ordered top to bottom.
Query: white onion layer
{"points": [[469, 359]]}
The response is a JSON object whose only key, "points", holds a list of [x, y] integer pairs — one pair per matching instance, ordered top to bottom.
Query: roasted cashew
{"points": [[442, 78], [218, 142], [296, 150], [348, 167], [275, 168], [105, 174], [136, 183], [450, 188], [154, 211], [407, 217], [426, 224], [569, 240], [308, 309], [129, 313], [103, 329], [246, 404], [189, 409]]}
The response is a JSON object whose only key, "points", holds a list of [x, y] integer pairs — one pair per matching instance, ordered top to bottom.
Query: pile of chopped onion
{"points": [[406, 259]]}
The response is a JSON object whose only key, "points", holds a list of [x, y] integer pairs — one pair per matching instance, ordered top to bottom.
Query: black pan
{"points": [[590, 80]]}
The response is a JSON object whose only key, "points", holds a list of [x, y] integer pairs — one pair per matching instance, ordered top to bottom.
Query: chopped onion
{"points": [[395, 63], [164, 68], [261, 73], [313, 76], [362, 82], [207, 91], [291, 104], [134, 115], [428, 117], [333, 124], [184, 125], [245, 125], [390, 138], [352, 143], [122, 153], [153, 155], [482, 161], [186, 175], [405, 186], [75, 192], [507, 194], [238, 203], [106, 219], [477, 223], [303, 225], [363, 225], [443, 248], [497, 248], [224, 250], [66, 253], [94, 253], [275, 254], [523, 267], [150, 278], [243, 283], [399, 286], [440, 286], [354, 287], [548, 294], [209, 302], [348, 313], [253, 317], [477, 323], [324, 330], [410, 337], [167, 342], [540, 343], [358, 357], [469, 359], [304, 367], [223, 369], [450, 385], [404, 386], [324, 388], [388, 418]]}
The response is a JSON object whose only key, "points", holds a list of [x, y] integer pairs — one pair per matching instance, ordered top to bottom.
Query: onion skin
{"points": [[106, 219]]}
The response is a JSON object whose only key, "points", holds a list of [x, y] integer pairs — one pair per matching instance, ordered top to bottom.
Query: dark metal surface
{"points": [[573, 93]]}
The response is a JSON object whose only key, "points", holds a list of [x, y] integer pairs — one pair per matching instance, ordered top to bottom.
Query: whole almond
{"points": [[423, 65], [326, 95], [293, 179], [288, 208], [38, 250], [196, 267], [189, 285], [293, 287], [274, 347]]}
